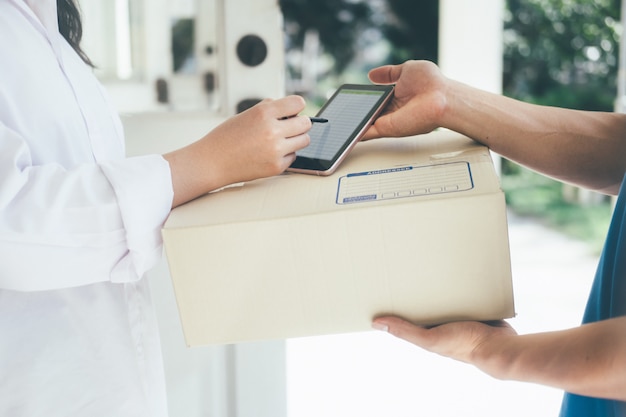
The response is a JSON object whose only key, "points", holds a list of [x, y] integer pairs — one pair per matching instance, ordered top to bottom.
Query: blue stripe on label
{"points": [[380, 171], [359, 198]]}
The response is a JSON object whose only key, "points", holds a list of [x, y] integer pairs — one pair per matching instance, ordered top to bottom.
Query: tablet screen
{"points": [[348, 113]]}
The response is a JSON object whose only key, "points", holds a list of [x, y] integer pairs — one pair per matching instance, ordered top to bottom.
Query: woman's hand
{"points": [[260, 142]]}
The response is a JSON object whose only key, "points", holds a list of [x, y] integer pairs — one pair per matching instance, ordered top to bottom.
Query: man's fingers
{"points": [[387, 74], [402, 329]]}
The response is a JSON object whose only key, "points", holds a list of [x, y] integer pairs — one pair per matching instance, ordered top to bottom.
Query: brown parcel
{"points": [[411, 226]]}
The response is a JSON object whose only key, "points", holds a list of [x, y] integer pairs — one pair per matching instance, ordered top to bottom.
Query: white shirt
{"points": [[79, 226]]}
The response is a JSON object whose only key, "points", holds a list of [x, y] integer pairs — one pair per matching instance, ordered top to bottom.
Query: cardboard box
{"points": [[411, 226]]}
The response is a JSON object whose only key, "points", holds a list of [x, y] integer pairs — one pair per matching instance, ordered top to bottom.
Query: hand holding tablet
{"points": [[350, 112]]}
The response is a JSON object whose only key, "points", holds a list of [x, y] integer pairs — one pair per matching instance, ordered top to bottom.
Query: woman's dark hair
{"points": [[70, 26]]}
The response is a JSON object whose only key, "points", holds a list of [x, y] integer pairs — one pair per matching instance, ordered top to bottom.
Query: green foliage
{"points": [[338, 22], [346, 26], [412, 29], [556, 52], [562, 52], [530, 194]]}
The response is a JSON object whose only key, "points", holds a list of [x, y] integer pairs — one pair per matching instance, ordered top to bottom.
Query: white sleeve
{"points": [[62, 227]]}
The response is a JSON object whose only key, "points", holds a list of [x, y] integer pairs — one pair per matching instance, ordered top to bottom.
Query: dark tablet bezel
{"points": [[327, 166]]}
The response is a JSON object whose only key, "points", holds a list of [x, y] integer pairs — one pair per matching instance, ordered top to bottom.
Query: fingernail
{"points": [[380, 326]]}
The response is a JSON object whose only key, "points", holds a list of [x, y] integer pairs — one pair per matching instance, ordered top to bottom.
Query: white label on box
{"points": [[405, 181]]}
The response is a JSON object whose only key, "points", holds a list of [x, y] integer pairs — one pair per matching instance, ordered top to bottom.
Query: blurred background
{"points": [[182, 56], [177, 68]]}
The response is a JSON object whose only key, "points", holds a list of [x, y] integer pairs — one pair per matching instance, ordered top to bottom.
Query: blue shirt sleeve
{"points": [[606, 300]]}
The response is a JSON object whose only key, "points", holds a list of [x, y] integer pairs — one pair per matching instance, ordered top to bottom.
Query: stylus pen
{"points": [[318, 120]]}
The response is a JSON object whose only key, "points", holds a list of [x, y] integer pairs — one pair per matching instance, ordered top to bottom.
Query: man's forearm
{"points": [[580, 147], [588, 360]]}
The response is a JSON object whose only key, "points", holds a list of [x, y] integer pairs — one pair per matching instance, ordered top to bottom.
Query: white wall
{"points": [[470, 42]]}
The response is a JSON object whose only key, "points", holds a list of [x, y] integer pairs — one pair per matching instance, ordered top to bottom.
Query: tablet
{"points": [[350, 112]]}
